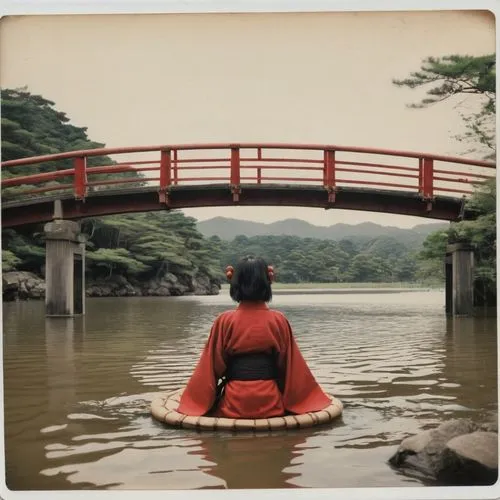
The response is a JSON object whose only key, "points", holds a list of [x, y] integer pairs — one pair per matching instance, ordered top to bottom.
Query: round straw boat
{"points": [[164, 409]]}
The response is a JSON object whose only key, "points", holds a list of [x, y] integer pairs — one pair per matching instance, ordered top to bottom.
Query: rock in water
{"points": [[454, 453], [473, 457]]}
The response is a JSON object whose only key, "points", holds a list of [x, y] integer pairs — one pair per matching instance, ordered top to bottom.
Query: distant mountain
{"points": [[228, 229]]}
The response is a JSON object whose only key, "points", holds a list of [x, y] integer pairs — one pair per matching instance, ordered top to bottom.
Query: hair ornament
{"points": [[229, 272], [270, 273]]}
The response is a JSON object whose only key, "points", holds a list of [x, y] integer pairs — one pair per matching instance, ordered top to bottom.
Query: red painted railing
{"points": [[238, 164]]}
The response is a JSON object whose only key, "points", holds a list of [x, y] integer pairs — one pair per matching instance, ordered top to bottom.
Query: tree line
{"points": [[147, 245], [299, 260]]}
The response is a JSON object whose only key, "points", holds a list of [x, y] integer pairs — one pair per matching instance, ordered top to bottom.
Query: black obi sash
{"points": [[248, 366], [252, 366]]}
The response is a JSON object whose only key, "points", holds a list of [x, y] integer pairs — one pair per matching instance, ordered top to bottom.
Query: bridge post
{"points": [[235, 173], [459, 267], [64, 268]]}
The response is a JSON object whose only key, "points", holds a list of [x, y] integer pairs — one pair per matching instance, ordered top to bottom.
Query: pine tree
{"points": [[448, 76]]}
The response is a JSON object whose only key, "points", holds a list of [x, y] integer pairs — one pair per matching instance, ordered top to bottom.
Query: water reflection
{"points": [[63, 338], [470, 370], [77, 392], [248, 459]]}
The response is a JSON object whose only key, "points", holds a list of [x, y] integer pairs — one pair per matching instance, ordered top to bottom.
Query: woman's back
{"points": [[252, 329], [252, 350]]}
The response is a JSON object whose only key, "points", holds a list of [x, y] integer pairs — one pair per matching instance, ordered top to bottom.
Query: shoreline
{"points": [[22, 285], [400, 286], [349, 291]]}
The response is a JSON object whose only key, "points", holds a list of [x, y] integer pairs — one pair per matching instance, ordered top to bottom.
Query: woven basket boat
{"points": [[163, 409]]}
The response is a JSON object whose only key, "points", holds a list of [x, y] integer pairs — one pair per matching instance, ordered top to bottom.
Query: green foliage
{"points": [[454, 74], [444, 77], [31, 126], [484, 200], [480, 233], [149, 245], [435, 245], [137, 246], [28, 249], [116, 258], [301, 260], [430, 260], [9, 261], [368, 268]]}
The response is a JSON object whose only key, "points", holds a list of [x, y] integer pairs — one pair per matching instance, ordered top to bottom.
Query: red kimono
{"points": [[252, 327]]}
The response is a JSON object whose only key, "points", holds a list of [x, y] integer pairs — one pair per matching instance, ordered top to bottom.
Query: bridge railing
{"points": [[236, 165]]}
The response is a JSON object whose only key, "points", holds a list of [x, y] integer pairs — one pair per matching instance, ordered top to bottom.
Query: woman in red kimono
{"points": [[251, 366]]}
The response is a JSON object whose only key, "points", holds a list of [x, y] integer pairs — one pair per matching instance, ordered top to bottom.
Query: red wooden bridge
{"points": [[199, 175]]}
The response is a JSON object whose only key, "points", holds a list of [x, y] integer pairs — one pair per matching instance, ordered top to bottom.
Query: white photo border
{"points": [[81, 7]]}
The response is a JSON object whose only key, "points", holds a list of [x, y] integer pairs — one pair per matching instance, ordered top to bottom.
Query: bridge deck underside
{"points": [[110, 202]]}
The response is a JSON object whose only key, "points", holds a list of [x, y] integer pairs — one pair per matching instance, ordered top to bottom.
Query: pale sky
{"points": [[321, 78]]}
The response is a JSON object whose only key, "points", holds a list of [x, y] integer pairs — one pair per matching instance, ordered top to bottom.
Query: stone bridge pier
{"points": [[64, 268], [459, 272]]}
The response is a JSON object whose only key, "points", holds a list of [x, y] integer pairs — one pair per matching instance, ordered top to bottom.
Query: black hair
{"points": [[251, 281]]}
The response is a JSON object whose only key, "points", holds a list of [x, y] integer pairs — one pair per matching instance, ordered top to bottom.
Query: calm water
{"points": [[77, 391]]}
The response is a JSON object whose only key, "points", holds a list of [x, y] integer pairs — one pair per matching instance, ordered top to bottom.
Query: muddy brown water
{"points": [[77, 391]]}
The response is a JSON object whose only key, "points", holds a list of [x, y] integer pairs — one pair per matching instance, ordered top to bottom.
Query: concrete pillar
{"points": [[64, 269], [448, 272], [460, 279], [79, 299]]}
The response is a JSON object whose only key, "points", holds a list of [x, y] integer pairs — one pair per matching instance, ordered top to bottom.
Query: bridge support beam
{"points": [[64, 269], [459, 271]]}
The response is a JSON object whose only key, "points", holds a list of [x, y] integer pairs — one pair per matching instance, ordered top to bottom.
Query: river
{"points": [[77, 391]]}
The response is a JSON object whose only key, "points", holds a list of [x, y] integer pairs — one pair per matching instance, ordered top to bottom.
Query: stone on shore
{"points": [[22, 285], [458, 452]]}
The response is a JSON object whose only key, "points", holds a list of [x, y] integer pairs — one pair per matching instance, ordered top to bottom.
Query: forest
{"points": [[164, 253]]}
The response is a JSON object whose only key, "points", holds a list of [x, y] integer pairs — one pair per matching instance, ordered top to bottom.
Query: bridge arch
{"points": [[245, 174]]}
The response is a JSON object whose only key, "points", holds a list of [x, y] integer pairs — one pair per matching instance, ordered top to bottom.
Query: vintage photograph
{"points": [[249, 250]]}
